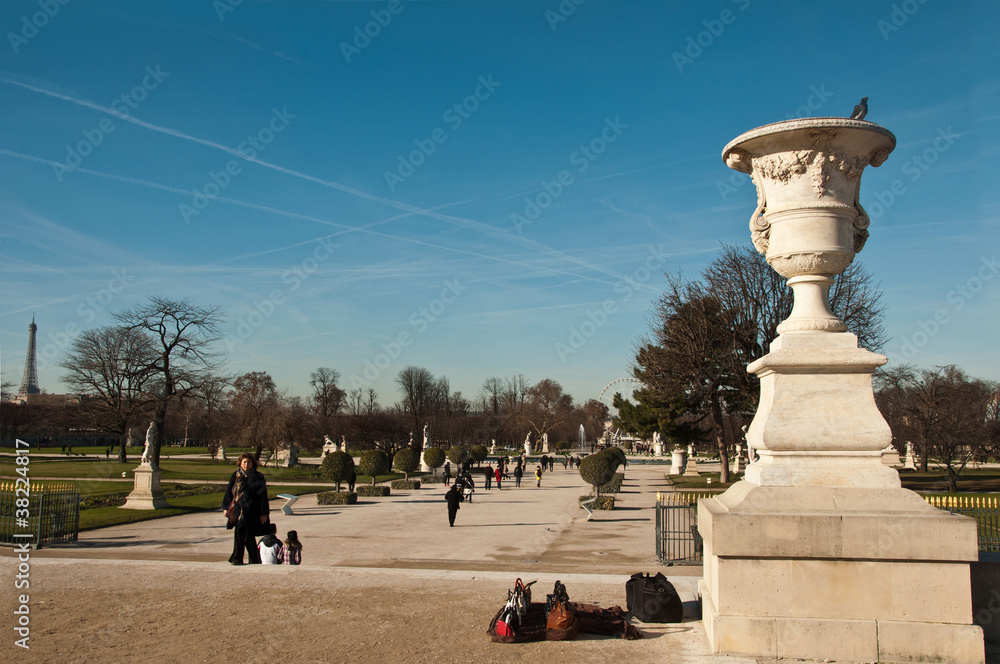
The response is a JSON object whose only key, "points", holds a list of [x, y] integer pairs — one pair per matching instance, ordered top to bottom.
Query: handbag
{"points": [[233, 511], [522, 597], [558, 613], [508, 617]]}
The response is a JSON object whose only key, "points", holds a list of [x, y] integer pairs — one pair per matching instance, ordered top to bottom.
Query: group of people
{"points": [[464, 486], [248, 516]]}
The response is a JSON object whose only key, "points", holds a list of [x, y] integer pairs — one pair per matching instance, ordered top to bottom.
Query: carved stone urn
{"points": [[808, 221], [835, 550]]}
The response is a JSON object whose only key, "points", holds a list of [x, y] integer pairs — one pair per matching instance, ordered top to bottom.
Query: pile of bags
{"points": [[649, 599]]}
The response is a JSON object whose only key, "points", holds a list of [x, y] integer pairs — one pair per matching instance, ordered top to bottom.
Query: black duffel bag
{"points": [[653, 599]]}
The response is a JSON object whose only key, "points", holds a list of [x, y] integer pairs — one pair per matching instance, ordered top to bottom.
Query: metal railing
{"points": [[984, 509], [53, 513], [677, 537]]}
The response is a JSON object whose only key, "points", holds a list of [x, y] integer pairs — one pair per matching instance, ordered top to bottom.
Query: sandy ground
{"points": [[383, 581]]}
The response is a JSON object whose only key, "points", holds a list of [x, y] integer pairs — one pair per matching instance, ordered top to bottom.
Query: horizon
{"points": [[476, 188]]}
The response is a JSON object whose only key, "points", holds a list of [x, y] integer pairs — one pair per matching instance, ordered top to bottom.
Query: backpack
{"points": [[653, 599]]}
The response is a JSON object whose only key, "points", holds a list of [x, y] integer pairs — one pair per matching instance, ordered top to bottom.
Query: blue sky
{"points": [[479, 188]]}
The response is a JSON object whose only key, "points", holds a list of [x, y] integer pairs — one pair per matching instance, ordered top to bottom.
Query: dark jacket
{"points": [[453, 498], [253, 500]]}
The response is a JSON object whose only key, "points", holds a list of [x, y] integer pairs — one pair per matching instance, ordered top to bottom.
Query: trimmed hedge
{"points": [[432, 479], [405, 484], [615, 485], [369, 491], [337, 498], [602, 503]]}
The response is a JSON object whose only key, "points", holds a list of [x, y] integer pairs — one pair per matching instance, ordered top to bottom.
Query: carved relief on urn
{"points": [[808, 222]]}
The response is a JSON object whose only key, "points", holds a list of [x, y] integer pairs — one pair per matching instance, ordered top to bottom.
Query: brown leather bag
{"points": [[560, 616]]}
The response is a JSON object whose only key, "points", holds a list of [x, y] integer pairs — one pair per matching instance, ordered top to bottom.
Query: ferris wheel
{"points": [[623, 386]]}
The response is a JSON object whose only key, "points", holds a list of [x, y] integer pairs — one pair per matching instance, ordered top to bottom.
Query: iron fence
{"points": [[53, 513], [677, 537]]}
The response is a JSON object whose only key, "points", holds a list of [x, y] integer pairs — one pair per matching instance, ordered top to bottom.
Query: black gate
{"points": [[53, 513], [677, 537]]}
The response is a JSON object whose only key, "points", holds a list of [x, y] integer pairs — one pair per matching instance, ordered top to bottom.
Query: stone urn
{"points": [[808, 222], [817, 422]]}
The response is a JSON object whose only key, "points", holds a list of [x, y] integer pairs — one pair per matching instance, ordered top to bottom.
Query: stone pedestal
{"points": [[658, 449], [890, 456], [677, 460], [691, 467], [146, 494], [819, 553]]}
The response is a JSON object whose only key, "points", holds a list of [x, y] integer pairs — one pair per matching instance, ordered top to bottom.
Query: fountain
{"points": [[582, 438]]}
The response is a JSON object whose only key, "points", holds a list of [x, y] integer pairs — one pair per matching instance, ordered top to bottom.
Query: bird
{"points": [[861, 110]]}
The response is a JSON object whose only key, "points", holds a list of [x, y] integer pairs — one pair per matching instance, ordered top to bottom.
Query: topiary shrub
{"points": [[563, 445], [627, 445], [478, 453], [457, 455], [434, 457], [406, 461], [374, 462], [337, 467], [596, 470], [405, 485], [614, 485], [373, 491], [337, 498], [602, 502]]}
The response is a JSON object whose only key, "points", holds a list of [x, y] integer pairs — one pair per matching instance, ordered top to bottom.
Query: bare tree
{"points": [[183, 335], [113, 366], [418, 388], [327, 398], [547, 406], [258, 413], [949, 415]]}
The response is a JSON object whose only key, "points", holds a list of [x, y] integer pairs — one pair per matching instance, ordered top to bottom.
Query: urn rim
{"points": [[807, 123]]}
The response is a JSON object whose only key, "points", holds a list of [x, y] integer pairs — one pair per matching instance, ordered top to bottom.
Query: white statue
{"points": [[343, 443], [493, 447], [146, 459]]}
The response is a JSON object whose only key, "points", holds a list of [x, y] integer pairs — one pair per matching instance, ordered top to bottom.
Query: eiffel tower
{"points": [[29, 383]]}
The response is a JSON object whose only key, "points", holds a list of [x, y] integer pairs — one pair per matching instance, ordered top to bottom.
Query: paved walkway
{"points": [[383, 580]]}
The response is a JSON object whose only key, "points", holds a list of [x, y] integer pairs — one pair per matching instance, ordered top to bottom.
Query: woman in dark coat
{"points": [[249, 489]]}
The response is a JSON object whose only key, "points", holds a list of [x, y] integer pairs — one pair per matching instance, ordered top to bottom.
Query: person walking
{"points": [[447, 473], [518, 474], [488, 476], [538, 476], [499, 477], [247, 493], [453, 500], [291, 552]]}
